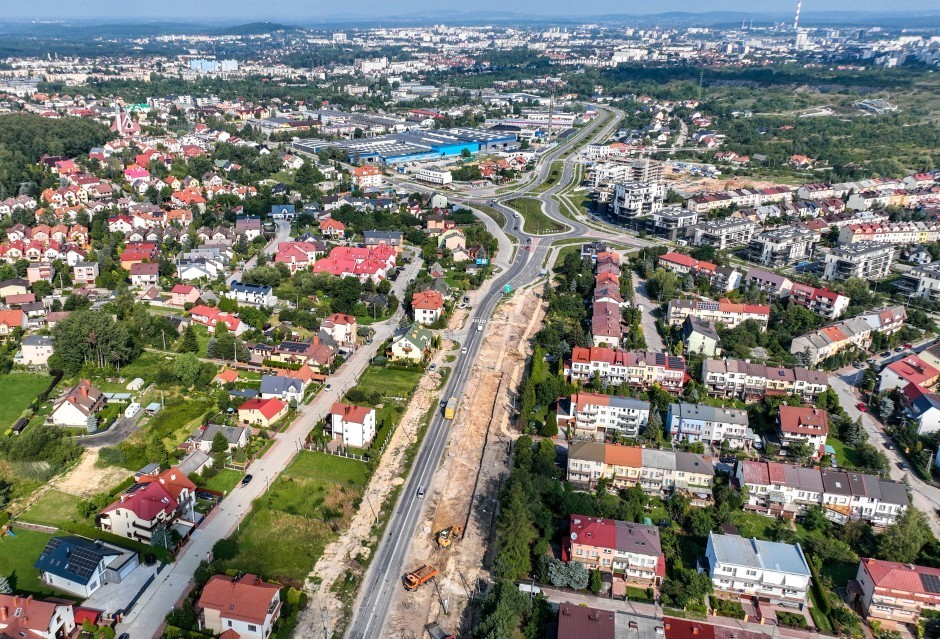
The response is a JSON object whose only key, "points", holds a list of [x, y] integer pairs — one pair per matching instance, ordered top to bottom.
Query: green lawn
{"points": [[534, 220], [388, 381], [17, 391], [846, 456], [224, 481], [52, 509], [303, 510], [754, 525], [17, 556], [840, 572]]}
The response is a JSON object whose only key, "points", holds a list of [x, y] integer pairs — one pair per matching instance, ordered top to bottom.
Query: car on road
{"points": [[516, 215], [528, 240], [528, 248], [479, 327], [899, 349], [463, 350], [886, 354], [870, 360], [432, 367], [329, 387], [862, 407], [902, 465], [247, 480], [421, 492], [124, 635]]}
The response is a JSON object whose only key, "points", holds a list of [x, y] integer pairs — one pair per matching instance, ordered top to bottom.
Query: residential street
{"points": [[281, 235], [924, 496], [163, 594]]}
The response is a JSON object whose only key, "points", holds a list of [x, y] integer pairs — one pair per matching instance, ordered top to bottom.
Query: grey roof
{"points": [[382, 235], [239, 287], [698, 325], [37, 340], [276, 385], [704, 412], [232, 433], [591, 451], [663, 459], [193, 462], [693, 463], [807, 479], [836, 482], [894, 492], [755, 553], [73, 558]]}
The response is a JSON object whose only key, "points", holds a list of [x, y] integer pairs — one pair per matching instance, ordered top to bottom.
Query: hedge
{"points": [[270, 363], [84, 530]]}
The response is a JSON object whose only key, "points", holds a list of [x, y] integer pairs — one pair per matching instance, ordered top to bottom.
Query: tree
{"points": [[662, 284], [189, 343], [186, 368], [870, 378], [885, 407], [654, 428], [219, 443], [801, 450], [815, 519], [700, 522], [515, 534], [903, 541], [557, 573], [578, 576], [597, 582], [5, 587]]}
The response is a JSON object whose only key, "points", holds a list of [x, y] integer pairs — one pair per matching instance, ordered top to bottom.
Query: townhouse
{"points": [[737, 198], [891, 233], [784, 246], [866, 260], [362, 263], [821, 301], [724, 311], [854, 332], [637, 368], [747, 380], [596, 416], [803, 424], [711, 425], [659, 472], [785, 490], [627, 550], [765, 571], [896, 594]]}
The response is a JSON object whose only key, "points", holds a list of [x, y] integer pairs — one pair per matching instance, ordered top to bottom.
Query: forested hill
{"points": [[24, 138]]}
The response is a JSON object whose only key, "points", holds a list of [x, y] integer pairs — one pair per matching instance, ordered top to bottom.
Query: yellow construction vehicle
{"points": [[453, 533]]}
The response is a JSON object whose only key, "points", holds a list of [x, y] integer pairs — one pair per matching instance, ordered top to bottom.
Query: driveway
{"points": [[653, 341], [924, 496]]}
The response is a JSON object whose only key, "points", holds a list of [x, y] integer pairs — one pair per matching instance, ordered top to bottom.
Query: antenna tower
{"points": [[796, 20]]}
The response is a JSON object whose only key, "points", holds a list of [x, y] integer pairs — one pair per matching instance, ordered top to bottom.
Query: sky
{"points": [[297, 11]]}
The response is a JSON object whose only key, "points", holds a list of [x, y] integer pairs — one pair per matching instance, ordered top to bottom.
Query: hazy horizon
{"points": [[296, 11]]}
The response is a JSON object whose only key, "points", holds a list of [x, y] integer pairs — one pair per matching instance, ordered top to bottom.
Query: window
{"points": [[252, 628]]}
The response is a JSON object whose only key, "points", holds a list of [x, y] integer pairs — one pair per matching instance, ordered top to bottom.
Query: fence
{"points": [[320, 448], [35, 527]]}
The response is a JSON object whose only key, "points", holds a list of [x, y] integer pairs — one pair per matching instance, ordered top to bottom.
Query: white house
{"points": [[252, 294], [35, 350], [287, 389], [76, 407], [594, 416], [804, 423], [354, 424], [711, 425], [235, 436], [81, 566], [766, 570], [36, 618]]}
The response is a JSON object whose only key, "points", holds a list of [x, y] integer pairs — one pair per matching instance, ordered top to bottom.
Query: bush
{"points": [[225, 549]]}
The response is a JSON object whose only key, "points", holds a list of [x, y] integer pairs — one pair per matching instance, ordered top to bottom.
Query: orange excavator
{"points": [[448, 535], [415, 579]]}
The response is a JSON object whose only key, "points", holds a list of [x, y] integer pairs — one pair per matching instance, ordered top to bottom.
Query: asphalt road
{"points": [[281, 235], [388, 567]]}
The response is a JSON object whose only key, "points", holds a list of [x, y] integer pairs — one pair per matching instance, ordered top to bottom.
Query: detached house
{"points": [[145, 274], [183, 294], [428, 306], [340, 327], [414, 345], [284, 388], [76, 407], [262, 412], [354, 425], [81, 566], [763, 570], [239, 607], [37, 619]]}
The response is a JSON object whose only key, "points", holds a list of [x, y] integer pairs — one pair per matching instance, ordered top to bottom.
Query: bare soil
{"points": [[698, 184], [88, 479], [465, 490]]}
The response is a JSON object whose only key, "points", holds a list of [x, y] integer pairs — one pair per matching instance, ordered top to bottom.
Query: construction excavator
{"points": [[446, 536]]}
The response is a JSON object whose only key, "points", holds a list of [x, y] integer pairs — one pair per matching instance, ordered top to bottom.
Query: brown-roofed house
{"points": [[246, 605]]}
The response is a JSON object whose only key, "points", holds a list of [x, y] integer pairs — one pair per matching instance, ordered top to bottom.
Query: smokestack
{"points": [[796, 20]]}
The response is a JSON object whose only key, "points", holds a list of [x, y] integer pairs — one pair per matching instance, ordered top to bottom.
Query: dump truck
{"points": [[450, 410], [446, 536], [416, 579], [437, 632]]}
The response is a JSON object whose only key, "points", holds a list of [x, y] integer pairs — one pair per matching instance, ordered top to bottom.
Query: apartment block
{"points": [[604, 176], [638, 198], [724, 233], [784, 246], [867, 260], [921, 281], [773, 284], [821, 301], [721, 312], [637, 368], [747, 380], [595, 416], [712, 425], [659, 472], [784, 490], [628, 550], [768, 571], [895, 594]]}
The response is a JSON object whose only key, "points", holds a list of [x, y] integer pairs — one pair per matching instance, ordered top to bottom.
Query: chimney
{"points": [[84, 391], [4, 611], [695, 630]]}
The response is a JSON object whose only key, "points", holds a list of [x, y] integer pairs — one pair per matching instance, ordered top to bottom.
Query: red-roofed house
{"points": [[367, 176], [332, 228], [183, 294], [427, 306], [209, 317], [9, 321], [340, 327], [909, 370], [226, 376], [76, 407], [262, 412], [806, 424], [355, 425], [180, 487], [139, 511], [631, 551], [895, 593], [246, 607], [35, 618]]}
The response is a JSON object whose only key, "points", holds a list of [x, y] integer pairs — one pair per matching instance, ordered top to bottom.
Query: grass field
{"points": [[497, 216], [534, 220], [389, 382], [17, 391], [846, 456], [224, 481], [52, 509], [304, 509], [17, 556]]}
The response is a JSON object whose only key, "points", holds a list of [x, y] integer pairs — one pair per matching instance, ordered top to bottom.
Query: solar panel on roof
{"points": [[931, 583]]}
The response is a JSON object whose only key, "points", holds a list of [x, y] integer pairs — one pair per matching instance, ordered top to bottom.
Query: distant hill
{"points": [[253, 28]]}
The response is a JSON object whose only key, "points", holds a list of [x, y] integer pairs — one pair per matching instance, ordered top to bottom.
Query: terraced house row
{"points": [[637, 368], [747, 380]]}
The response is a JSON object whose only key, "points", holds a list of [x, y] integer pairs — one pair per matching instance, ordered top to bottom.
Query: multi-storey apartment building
{"points": [[604, 176], [638, 198], [724, 233], [783, 246], [867, 260], [921, 281], [773, 284], [821, 301], [722, 312], [637, 368], [740, 378], [595, 416], [712, 425], [656, 471], [785, 490], [631, 551], [764, 570], [895, 594]]}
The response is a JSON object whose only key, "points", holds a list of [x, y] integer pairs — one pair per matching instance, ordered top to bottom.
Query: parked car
{"points": [[908, 346], [899, 349], [463, 350], [886, 354], [858, 365], [432, 367], [862, 407], [902, 465], [246, 480]]}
